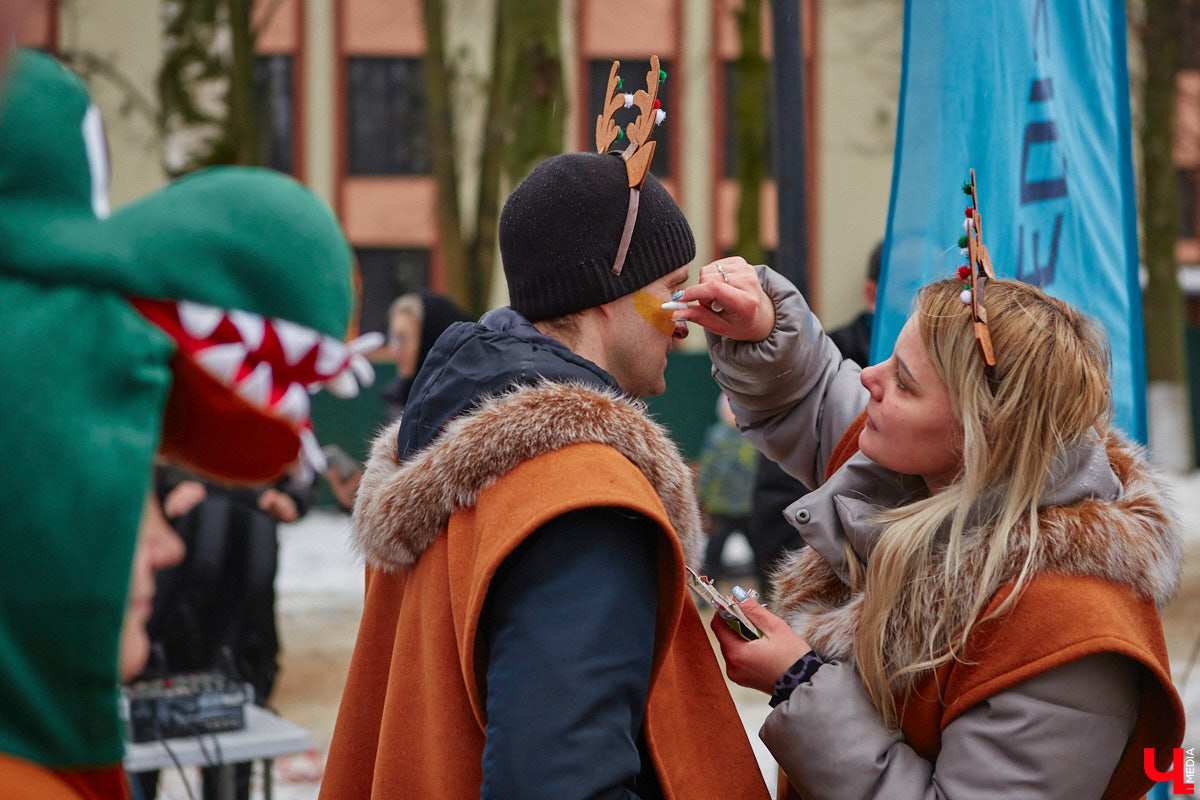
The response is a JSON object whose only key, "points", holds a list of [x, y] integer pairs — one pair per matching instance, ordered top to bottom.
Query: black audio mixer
{"points": [[183, 705]]}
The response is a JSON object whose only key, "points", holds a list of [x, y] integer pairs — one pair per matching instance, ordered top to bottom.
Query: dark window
{"points": [[1191, 35], [633, 73], [273, 95], [386, 108], [732, 146], [1189, 203], [386, 274]]}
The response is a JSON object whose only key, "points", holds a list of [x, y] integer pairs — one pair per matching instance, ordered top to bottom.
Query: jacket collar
{"points": [[474, 361], [402, 507], [843, 508], [1107, 516]]}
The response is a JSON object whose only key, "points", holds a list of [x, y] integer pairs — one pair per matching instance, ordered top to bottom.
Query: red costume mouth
{"points": [[239, 403]]}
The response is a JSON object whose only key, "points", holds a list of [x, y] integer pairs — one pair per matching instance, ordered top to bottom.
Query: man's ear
{"points": [[609, 310]]}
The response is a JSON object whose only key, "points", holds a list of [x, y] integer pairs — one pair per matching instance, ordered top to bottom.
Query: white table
{"points": [[265, 737]]}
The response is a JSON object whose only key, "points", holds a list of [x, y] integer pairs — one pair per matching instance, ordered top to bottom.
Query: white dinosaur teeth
{"points": [[198, 319], [252, 328], [296, 340], [372, 340], [331, 357], [222, 361], [362, 369], [343, 385], [256, 387], [294, 404], [312, 450]]}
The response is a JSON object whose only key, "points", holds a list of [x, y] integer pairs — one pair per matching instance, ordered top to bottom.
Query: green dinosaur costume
{"points": [[192, 322]]}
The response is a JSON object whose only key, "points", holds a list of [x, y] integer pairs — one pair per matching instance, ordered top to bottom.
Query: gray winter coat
{"points": [[1058, 735]]}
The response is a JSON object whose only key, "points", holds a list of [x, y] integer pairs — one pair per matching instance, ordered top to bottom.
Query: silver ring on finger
{"points": [[724, 274]]}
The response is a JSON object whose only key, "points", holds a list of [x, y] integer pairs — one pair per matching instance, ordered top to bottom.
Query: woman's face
{"points": [[404, 336], [911, 427], [158, 547]]}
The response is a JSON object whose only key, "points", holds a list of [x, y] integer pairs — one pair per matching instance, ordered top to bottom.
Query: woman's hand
{"points": [[731, 301], [759, 663]]}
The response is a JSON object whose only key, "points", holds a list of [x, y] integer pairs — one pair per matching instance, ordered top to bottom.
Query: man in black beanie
{"points": [[527, 630]]}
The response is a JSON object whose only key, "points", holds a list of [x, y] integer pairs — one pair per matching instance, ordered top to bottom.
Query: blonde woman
{"points": [[976, 612]]}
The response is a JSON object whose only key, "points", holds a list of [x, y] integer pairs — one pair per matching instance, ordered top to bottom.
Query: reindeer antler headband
{"points": [[640, 150], [977, 272]]}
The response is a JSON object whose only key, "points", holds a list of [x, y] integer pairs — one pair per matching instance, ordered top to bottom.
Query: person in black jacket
{"points": [[415, 321], [216, 610]]}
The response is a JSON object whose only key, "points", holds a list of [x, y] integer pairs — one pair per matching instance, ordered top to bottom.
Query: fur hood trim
{"points": [[401, 509], [1133, 540]]}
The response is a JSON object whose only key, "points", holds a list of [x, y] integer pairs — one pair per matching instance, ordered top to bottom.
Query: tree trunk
{"points": [[197, 58], [523, 124], [750, 124], [242, 126], [454, 247], [1162, 301]]}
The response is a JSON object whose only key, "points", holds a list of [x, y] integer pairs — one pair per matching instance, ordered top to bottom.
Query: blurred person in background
{"points": [[415, 321], [725, 482], [216, 610]]}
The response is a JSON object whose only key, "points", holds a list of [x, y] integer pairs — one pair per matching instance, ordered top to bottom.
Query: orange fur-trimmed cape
{"points": [[434, 530]]}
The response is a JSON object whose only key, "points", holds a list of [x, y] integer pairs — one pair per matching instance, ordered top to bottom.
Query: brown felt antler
{"points": [[607, 130], [640, 150], [981, 273]]}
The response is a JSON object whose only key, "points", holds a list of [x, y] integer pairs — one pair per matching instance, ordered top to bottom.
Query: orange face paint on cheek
{"points": [[649, 307]]}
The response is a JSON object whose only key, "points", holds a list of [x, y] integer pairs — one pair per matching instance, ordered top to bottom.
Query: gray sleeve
{"points": [[793, 393], [1054, 737]]}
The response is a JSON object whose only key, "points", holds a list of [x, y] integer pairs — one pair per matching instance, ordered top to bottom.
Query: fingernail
{"points": [[677, 295], [674, 305], [739, 593], [753, 593]]}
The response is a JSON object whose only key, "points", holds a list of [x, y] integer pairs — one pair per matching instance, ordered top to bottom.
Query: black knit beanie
{"points": [[561, 227]]}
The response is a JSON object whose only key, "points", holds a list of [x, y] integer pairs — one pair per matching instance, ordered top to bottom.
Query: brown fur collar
{"points": [[402, 508], [1132, 540]]}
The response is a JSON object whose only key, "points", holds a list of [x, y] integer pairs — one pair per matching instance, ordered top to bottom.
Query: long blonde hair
{"points": [[1050, 388]]}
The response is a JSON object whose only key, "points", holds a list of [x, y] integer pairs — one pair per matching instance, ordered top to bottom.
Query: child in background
{"points": [[726, 484]]}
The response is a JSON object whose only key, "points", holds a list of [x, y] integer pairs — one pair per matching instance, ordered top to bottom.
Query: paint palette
{"points": [[726, 609]]}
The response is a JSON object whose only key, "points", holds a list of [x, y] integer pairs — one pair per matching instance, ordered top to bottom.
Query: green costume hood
{"points": [[194, 321]]}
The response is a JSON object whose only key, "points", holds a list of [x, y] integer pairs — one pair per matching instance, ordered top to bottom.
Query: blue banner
{"points": [[1034, 95]]}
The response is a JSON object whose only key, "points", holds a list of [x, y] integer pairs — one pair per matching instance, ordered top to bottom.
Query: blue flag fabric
{"points": [[1034, 95]]}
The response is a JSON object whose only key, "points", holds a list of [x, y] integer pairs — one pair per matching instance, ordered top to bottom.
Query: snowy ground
{"points": [[320, 600]]}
